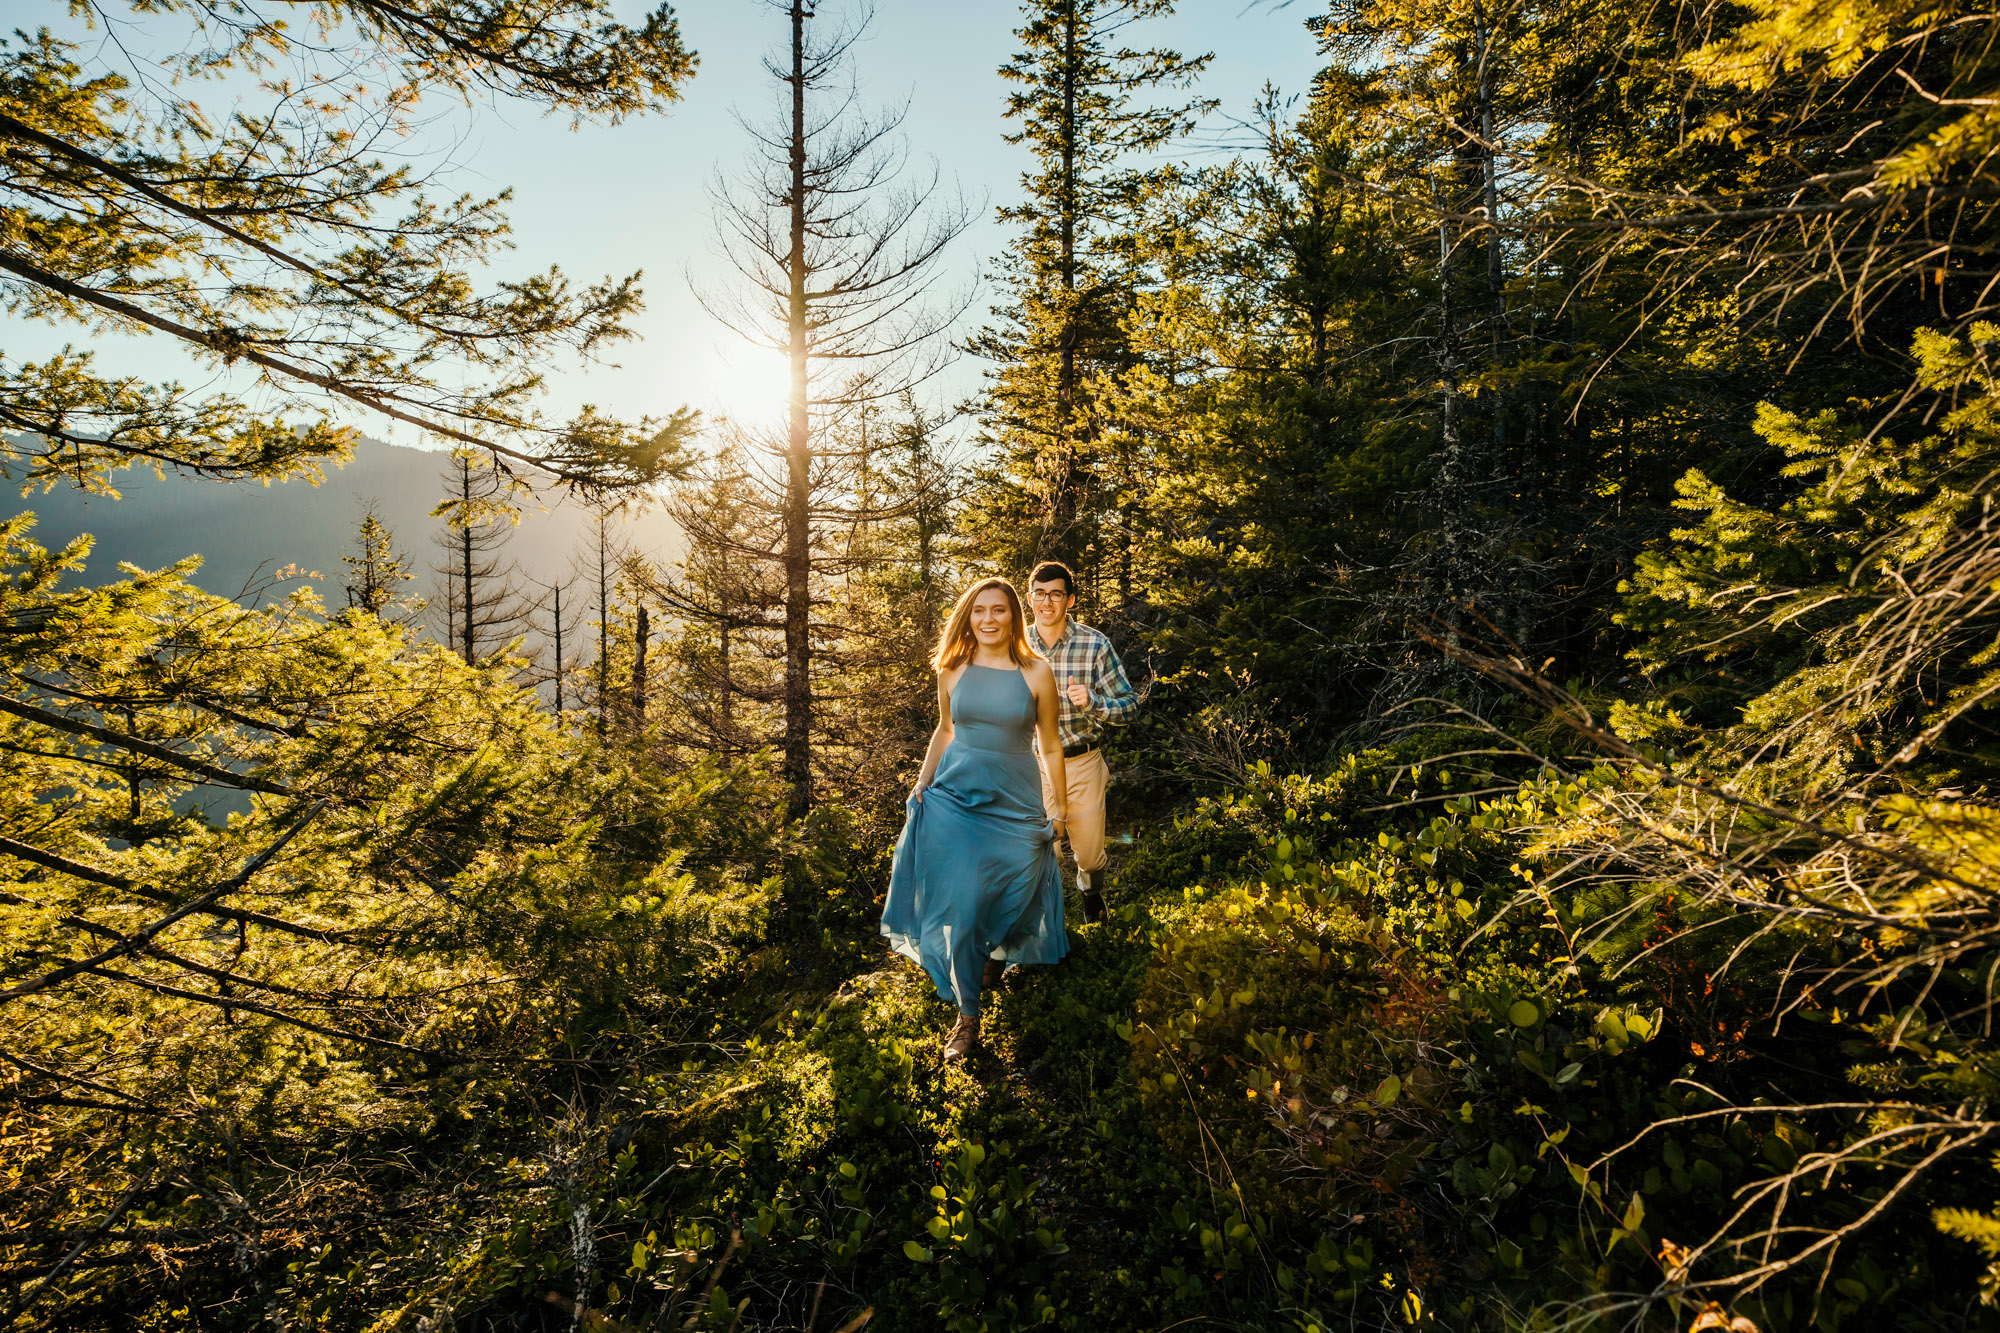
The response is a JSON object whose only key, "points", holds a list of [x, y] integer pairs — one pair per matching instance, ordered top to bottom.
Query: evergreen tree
{"points": [[1080, 97], [1644, 347], [1268, 429], [604, 559], [375, 569], [894, 571], [881, 577], [726, 602], [483, 606], [560, 638], [621, 681], [405, 880], [272, 994]]}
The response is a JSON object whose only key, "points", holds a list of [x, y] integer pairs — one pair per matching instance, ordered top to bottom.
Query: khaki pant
{"points": [[1086, 776]]}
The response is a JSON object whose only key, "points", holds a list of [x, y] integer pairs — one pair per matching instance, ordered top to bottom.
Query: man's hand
{"points": [[1078, 695]]}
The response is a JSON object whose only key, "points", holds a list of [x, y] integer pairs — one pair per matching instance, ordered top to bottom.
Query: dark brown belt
{"points": [[1078, 749]]}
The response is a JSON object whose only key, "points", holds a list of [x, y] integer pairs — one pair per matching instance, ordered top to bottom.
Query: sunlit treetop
{"points": [[569, 55]]}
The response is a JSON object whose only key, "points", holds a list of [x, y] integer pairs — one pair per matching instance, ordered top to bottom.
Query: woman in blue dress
{"points": [[975, 886]]}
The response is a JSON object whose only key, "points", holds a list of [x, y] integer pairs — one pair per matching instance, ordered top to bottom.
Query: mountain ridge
{"points": [[247, 532]]}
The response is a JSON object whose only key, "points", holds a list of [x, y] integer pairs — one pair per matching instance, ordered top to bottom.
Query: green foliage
{"points": [[1085, 105], [335, 273], [1799, 603], [420, 921], [351, 990], [1350, 1052], [1983, 1230], [992, 1256]]}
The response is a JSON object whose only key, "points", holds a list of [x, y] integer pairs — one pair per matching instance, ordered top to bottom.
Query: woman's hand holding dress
{"points": [[975, 876]]}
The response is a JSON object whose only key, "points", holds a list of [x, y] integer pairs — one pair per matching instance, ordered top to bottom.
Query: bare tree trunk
{"points": [[1489, 205], [837, 257], [798, 459], [1453, 465], [556, 590], [465, 600], [603, 628], [642, 632], [726, 691]]}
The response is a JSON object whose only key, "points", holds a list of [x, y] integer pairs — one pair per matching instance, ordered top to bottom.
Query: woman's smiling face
{"points": [[992, 618]]}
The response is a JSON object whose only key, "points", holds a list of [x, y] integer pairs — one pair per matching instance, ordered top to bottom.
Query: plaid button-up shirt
{"points": [[1084, 654]]}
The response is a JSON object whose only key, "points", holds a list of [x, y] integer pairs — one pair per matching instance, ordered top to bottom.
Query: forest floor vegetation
{"points": [[1334, 1062]]}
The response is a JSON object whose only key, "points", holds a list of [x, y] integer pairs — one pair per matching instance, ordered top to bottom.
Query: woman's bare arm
{"points": [[1042, 683], [941, 737]]}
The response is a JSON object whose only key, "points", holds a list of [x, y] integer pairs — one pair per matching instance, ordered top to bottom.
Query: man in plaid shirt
{"points": [[1095, 693]]}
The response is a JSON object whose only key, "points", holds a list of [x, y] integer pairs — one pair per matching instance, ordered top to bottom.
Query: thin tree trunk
{"points": [[1496, 278], [1496, 282], [798, 458], [1453, 465], [1062, 509], [1125, 520], [465, 558], [556, 588], [927, 615], [603, 631], [642, 632], [726, 695]]}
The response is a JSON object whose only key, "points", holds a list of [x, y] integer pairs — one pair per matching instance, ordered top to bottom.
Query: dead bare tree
{"points": [[839, 247]]}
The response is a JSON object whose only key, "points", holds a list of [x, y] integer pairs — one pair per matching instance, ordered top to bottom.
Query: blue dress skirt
{"points": [[975, 874]]}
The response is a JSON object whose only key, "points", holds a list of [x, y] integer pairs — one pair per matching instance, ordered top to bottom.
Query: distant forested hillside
{"points": [[247, 531]]}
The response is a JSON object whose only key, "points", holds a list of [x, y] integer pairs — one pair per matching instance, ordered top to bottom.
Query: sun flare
{"points": [[747, 385]]}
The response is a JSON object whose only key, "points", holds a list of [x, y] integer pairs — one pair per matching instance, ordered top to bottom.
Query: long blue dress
{"points": [[975, 874]]}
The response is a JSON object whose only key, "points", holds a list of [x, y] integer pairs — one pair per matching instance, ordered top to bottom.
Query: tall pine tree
{"points": [[1083, 101]]}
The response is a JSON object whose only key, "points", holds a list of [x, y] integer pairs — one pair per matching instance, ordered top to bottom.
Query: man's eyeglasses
{"points": [[1048, 595]]}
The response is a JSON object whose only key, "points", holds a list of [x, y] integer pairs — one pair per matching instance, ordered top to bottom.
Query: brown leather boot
{"points": [[995, 969], [964, 1036]]}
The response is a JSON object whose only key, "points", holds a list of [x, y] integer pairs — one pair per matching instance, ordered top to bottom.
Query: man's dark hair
{"points": [[1051, 570]]}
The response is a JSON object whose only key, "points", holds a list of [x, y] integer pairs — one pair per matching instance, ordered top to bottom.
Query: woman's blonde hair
{"points": [[957, 645]]}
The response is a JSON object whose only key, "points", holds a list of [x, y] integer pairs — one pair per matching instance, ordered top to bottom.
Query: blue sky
{"points": [[611, 199]]}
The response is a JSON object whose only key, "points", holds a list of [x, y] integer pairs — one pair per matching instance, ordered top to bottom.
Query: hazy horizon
{"points": [[248, 532]]}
